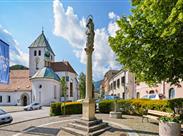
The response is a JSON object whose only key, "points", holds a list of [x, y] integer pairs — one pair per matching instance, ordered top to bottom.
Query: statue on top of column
{"points": [[90, 32]]}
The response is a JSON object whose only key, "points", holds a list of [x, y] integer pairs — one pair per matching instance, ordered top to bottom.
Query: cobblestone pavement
{"points": [[135, 122], [51, 126]]}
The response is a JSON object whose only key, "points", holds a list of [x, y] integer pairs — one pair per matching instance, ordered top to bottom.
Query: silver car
{"points": [[33, 106], [5, 117]]}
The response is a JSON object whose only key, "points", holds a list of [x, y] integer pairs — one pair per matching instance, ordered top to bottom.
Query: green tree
{"points": [[149, 42], [82, 85], [63, 89]]}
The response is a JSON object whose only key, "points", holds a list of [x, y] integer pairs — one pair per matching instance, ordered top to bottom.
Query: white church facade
{"points": [[43, 78]]}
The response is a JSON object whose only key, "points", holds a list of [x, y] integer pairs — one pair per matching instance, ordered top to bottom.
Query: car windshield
{"points": [[145, 96], [152, 96], [2, 112]]}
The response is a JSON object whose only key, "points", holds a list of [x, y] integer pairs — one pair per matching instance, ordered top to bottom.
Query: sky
{"points": [[63, 22]]}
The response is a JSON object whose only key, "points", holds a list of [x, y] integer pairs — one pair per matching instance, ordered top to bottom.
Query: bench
{"points": [[155, 115]]}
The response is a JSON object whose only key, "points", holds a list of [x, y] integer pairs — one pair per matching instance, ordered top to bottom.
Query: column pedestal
{"points": [[89, 110]]}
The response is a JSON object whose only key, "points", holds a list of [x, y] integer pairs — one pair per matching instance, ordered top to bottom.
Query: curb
{"points": [[15, 111], [1, 126]]}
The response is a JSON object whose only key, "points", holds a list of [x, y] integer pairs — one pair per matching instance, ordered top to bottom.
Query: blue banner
{"points": [[4, 62]]}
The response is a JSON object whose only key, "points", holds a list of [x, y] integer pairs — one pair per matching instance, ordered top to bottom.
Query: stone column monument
{"points": [[89, 103], [88, 125]]}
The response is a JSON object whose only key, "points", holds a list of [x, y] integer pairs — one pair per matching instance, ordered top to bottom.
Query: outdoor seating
{"points": [[155, 115]]}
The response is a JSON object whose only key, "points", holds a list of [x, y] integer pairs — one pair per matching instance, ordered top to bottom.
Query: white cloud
{"points": [[112, 15], [68, 26], [16, 55]]}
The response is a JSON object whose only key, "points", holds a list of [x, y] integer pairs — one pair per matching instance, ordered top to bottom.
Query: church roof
{"points": [[41, 41], [62, 66], [46, 72], [19, 81]]}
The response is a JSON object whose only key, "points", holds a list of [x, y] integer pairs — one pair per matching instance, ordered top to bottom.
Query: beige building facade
{"points": [[123, 85]]}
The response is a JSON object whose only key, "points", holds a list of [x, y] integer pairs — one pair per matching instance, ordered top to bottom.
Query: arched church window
{"points": [[39, 52], [35, 53], [171, 93]]}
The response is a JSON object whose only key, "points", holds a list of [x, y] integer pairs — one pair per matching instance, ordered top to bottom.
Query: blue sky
{"points": [[21, 21]]}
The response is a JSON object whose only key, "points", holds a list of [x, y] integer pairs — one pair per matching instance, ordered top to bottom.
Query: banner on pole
{"points": [[4, 62]]}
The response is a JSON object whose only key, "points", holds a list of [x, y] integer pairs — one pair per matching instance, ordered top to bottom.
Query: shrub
{"points": [[175, 103], [106, 106], [139, 106], [72, 108], [55, 109]]}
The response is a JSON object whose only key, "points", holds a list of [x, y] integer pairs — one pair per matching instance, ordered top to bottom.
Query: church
{"points": [[41, 82]]}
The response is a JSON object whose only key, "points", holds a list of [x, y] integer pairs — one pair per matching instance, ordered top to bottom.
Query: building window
{"points": [[39, 52], [35, 53], [51, 57], [67, 78], [122, 80], [118, 83], [114, 84], [40, 86], [71, 89], [151, 92], [55, 93], [171, 93], [138, 94], [123, 95], [1, 99], [9, 99]]}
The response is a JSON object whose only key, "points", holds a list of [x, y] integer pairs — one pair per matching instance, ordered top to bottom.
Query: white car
{"points": [[151, 96], [33, 106], [5, 117]]}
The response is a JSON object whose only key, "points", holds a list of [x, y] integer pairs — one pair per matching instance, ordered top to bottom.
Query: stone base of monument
{"points": [[115, 114], [86, 128]]}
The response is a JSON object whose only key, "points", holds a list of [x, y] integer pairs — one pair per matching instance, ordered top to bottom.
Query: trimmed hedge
{"points": [[106, 106], [140, 106], [72, 108], [55, 109]]}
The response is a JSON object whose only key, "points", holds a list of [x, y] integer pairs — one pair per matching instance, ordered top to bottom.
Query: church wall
{"points": [[33, 59], [72, 79], [43, 91], [15, 98]]}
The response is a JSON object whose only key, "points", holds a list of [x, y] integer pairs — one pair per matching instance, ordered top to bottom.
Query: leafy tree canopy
{"points": [[150, 41], [18, 67], [82, 85], [63, 86]]}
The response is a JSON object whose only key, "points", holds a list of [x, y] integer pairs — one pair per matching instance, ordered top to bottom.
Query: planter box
{"points": [[116, 115], [169, 129]]}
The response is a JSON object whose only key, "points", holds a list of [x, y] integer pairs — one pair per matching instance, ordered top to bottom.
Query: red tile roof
{"points": [[62, 66], [19, 81]]}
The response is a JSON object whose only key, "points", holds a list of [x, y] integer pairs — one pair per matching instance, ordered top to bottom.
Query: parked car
{"points": [[151, 96], [110, 97], [33, 106], [5, 117]]}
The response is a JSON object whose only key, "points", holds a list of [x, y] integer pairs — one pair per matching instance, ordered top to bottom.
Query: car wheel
{"points": [[40, 107], [31, 109]]}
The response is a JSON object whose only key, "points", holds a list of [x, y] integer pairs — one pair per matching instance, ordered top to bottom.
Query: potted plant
{"points": [[170, 126]]}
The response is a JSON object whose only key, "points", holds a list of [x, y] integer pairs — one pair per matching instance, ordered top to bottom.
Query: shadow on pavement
{"points": [[36, 131], [42, 131]]}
